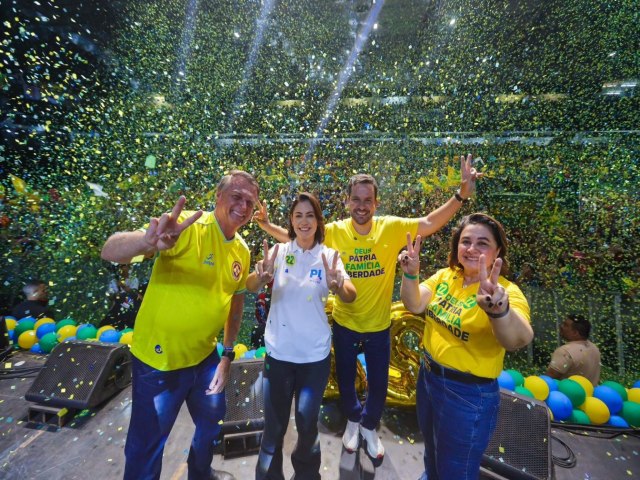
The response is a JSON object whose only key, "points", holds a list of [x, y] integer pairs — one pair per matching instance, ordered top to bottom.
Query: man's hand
{"points": [[468, 176], [163, 232], [220, 378]]}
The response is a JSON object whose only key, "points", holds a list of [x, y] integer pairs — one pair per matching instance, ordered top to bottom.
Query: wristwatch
{"points": [[459, 197], [229, 353]]}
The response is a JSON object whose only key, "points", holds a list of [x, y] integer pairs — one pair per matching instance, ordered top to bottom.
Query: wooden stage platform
{"points": [[91, 445]]}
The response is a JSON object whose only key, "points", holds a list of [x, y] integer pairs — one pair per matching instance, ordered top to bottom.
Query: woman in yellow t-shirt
{"points": [[471, 318]]}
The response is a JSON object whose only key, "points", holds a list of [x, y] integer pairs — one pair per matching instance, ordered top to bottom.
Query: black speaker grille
{"points": [[81, 374], [245, 402], [521, 444]]}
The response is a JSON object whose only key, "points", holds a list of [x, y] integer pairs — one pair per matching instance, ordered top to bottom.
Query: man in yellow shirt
{"points": [[369, 246], [196, 289]]}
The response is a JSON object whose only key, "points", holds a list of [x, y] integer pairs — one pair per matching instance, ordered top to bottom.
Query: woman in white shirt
{"points": [[297, 337]]}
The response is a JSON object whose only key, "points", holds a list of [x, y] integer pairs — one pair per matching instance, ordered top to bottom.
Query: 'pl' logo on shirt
{"points": [[315, 275]]}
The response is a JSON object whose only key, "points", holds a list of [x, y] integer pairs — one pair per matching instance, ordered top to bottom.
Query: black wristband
{"points": [[459, 197], [499, 315]]}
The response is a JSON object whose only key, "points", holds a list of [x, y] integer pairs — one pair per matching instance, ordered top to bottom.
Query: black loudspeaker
{"points": [[5, 343], [81, 374], [245, 402], [520, 447]]}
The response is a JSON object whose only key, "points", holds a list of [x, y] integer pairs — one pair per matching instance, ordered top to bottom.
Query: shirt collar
{"points": [[297, 248]]}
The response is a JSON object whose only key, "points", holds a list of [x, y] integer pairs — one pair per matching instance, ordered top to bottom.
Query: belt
{"points": [[431, 365]]}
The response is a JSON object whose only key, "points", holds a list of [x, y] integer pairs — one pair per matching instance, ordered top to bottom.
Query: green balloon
{"points": [[64, 323], [22, 327], [86, 332], [48, 341], [261, 352], [518, 379], [618, 388], [573, 390], [524, 391], [631, 413], [578, 416]]}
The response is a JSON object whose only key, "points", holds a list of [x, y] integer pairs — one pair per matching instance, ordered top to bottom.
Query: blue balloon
{"points": [[26, 319], [44, 329], [110, 336], [69, 339], [36, 348], [220, 349], [249, 354], [506, 381], [552, 382], [636, 385], [610, 397], [560, 405], [616, 421]]}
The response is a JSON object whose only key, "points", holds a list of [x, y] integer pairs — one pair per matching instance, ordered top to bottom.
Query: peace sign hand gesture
{"points": [[468, 176], [262, 215], [163, 232], [409, 259], [265, 268], [334, 278], [491, 296]]}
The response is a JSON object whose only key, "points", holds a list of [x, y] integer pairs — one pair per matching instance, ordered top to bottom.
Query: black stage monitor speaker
{"points": [[5, 343], [81, 374], [245, 403], [520, 447]]}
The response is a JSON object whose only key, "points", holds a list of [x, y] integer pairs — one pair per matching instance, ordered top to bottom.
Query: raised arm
{"points": [[262, 218], [437, 219], [162, 234], [414, 296], [509, 327]]}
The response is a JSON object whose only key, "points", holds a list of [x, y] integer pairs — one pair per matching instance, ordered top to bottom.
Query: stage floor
{"points": [[91, 446]]}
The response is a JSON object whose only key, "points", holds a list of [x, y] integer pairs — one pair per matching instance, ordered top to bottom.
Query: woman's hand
{"points": [[468, 176], [262, 215], [409, 259], [265, 268], [334, 277], [491, 296]]}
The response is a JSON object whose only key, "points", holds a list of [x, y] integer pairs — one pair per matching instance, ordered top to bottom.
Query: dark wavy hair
{"points": [[317, 211], [498, 234]]}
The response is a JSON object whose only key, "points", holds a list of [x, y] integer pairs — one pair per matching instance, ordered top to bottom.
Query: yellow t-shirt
{"points": [[370, 260], [189, 295], [458, 333]]}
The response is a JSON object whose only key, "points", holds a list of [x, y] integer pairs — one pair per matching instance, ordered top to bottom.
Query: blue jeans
{"points": [[377, 351], [281, 382], [157, 397], [456, 420]]}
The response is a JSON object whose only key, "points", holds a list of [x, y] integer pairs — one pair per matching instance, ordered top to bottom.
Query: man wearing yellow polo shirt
{"points": [[369, 247], [196, 289]]}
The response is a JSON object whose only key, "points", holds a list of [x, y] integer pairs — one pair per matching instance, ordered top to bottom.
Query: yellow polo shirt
{"points": [[370, 260], [189, 295]]}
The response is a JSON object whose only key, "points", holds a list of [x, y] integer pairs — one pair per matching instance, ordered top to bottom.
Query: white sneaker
{"points": [[351, 436], [375, 449]]}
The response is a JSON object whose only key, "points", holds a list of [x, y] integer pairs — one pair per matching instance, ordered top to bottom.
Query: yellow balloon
{"points": [[42, 321], [11, 323], [103, 329], [66, 332], [127, 338], [27, 339], [240, 349], [584, 383], [537, 386], [634, 395], [596, 410]]}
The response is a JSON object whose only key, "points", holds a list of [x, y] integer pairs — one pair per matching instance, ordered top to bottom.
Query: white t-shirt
{"points": [[297, 328]]}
